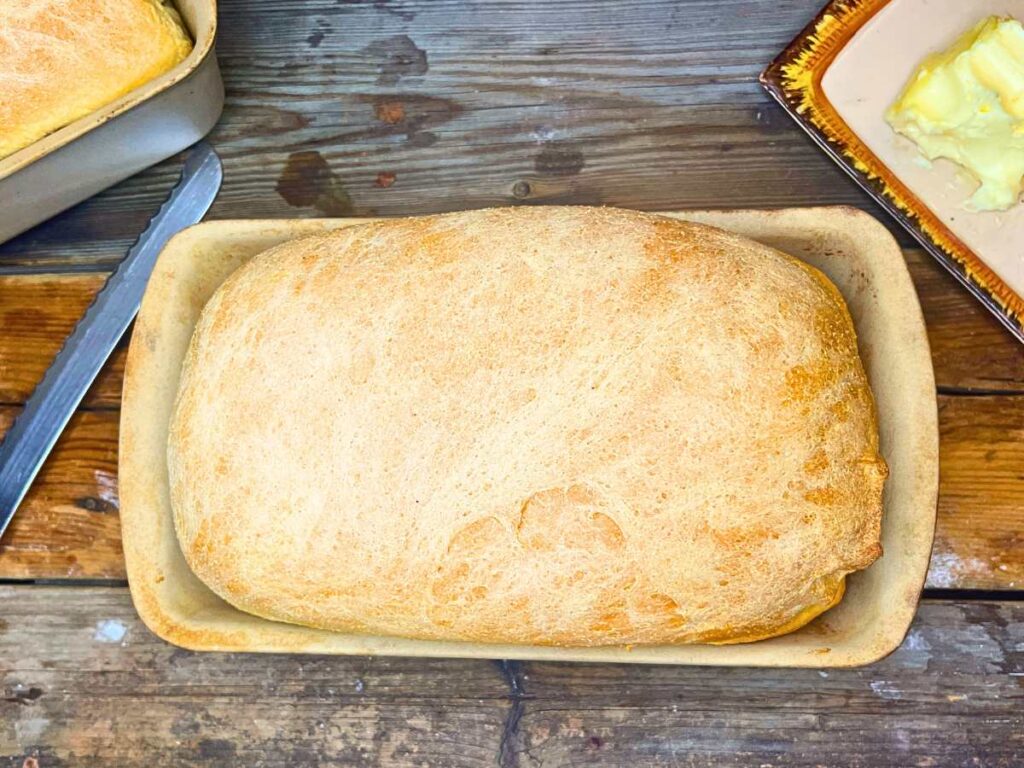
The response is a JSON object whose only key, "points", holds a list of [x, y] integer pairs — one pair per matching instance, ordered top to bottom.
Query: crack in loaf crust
{"points": [[571, 426]]}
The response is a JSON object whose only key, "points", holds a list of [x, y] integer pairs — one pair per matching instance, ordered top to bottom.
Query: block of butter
{"points": [[966, 104]]}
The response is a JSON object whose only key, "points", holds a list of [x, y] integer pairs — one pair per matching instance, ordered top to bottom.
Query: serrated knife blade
{"points": [[34, 432]]}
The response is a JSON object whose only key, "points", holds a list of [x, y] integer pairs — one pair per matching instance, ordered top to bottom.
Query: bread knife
{"points": [[46, 413]]}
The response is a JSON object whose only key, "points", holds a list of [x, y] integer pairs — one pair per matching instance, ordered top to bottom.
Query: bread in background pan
{"points": [[63, 59], [570, 426]]}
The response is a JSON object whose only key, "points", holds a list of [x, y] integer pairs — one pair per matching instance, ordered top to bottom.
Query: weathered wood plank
{"points": [[649, 104], [37, 312], [969, 348], [68, 526], [980, 532], [84, 683], [926, 705]]}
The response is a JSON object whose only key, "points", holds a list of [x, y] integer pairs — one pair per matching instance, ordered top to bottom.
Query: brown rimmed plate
{"points": [[837, 78], [853, 249]]}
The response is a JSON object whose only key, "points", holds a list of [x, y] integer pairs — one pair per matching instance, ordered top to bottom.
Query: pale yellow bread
{"points": [[62, 59], [571, 426]]}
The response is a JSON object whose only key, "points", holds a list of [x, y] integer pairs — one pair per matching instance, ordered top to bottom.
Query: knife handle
{"points": [[47, 411]]}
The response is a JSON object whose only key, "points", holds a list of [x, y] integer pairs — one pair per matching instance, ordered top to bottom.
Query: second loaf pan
{"points": [[138, 130], [853, 249]]}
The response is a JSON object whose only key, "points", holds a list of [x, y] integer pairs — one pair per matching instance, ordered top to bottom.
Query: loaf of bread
{"points": [[62, 59], [566, 426]]}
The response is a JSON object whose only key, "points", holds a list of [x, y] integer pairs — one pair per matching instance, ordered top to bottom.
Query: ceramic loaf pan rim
{"points": [[202, 47], [870, 623]]}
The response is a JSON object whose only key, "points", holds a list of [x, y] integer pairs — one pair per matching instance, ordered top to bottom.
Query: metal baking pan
{"points": [[141, 128], [852, 248]]}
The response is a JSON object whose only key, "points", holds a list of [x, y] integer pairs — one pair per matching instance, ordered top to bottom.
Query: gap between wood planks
{"points": [[929, 593]]}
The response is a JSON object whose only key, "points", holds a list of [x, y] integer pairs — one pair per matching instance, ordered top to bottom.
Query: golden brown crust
{"points": [[61, 60], [571, 426]]}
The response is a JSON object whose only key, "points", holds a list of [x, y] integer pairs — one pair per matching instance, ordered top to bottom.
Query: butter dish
{"points": [[839, 78]]}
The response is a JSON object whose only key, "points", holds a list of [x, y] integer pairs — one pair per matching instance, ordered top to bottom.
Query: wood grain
{"points": [[651, 104], [37, 312], [970, 350], [68, 525], [980, 533], [84, 683]]}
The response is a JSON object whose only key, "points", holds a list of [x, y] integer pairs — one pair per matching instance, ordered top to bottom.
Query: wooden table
{"points": [[387, 108]]}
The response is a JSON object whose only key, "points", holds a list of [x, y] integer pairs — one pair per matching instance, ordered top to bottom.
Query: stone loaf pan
{"points": [[143, 127], [852, 248]]}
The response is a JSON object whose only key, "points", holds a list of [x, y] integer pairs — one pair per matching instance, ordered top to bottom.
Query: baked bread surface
{"points": [[62, 59], [557, 425]]}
